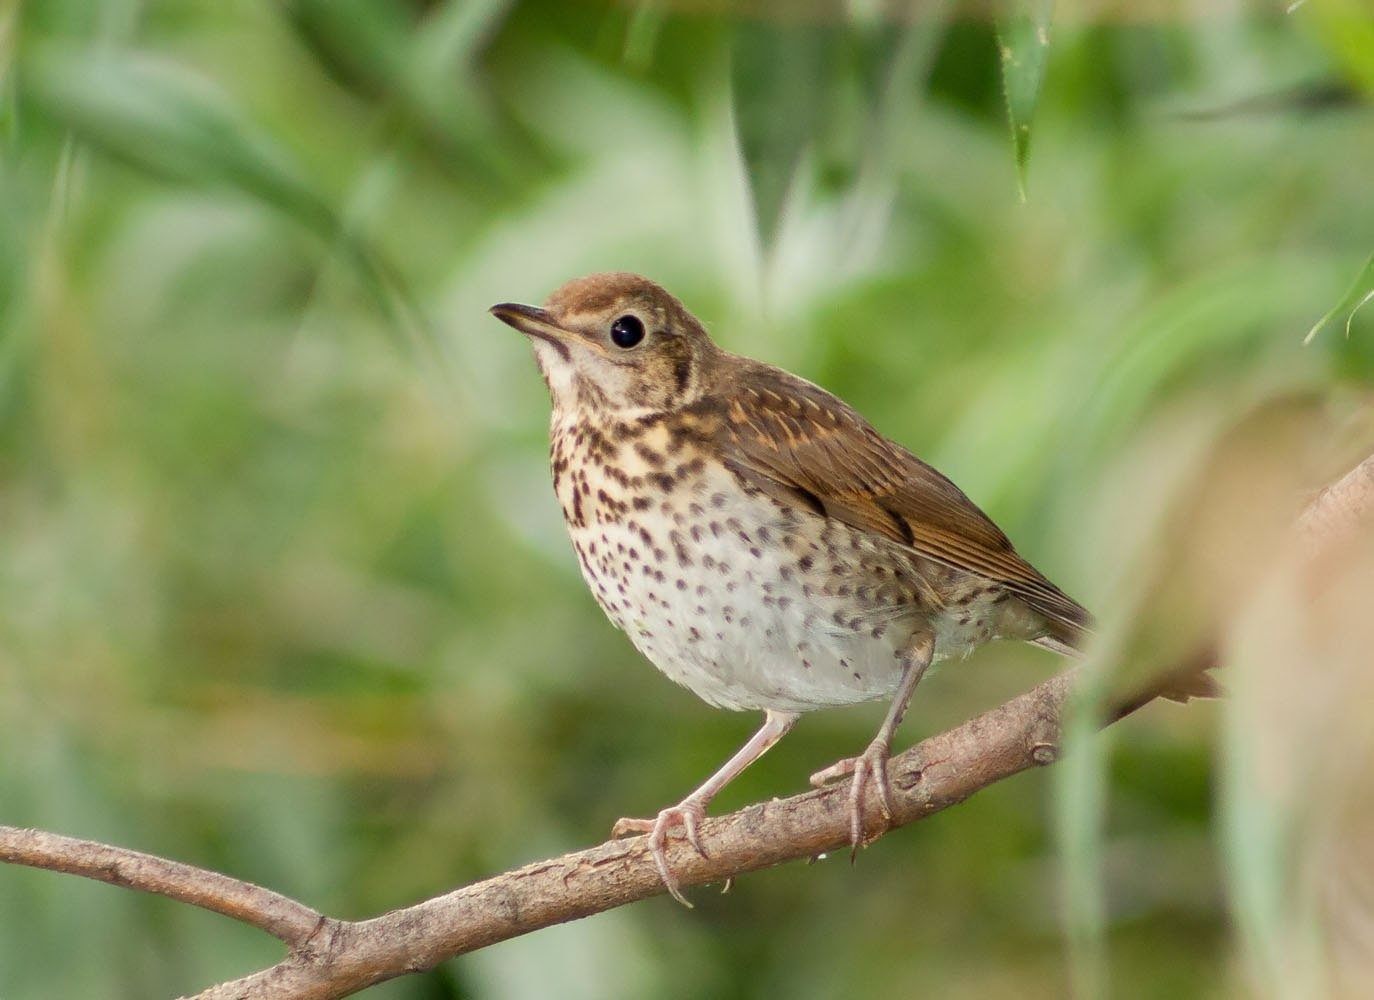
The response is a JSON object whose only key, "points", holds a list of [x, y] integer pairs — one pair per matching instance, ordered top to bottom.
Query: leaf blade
{"points": [[1023, 45], [1357, 295]]}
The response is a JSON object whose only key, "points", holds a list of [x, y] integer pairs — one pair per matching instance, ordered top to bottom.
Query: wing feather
{"points": [[801, 445]]}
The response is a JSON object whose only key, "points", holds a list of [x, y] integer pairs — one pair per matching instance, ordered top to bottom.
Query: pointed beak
{"points": [[534, 322]]}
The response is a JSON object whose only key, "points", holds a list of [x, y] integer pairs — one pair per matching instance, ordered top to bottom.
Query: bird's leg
{"points": [[871, 766], [692, 810]]}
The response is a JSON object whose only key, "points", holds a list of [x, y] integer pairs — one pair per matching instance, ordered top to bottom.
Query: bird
{"points": [[758, 540]]}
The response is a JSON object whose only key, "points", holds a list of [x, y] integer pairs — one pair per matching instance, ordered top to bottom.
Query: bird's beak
{"points": [[534, 322]]}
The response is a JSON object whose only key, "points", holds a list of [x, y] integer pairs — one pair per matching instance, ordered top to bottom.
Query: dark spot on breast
{"points": [[684, 558]]}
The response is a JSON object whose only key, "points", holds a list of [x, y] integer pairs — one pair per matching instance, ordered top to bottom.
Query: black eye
{"points": [[627, 331]]}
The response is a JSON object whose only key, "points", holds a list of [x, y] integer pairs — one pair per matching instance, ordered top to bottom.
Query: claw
{"points": [[870, 768], [689, 813]]}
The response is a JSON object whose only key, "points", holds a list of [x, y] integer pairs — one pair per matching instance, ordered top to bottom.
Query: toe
{"points": [[839, 769], [880, 781], [856, 811], [690, 821], [626, 827], [658, 847], [660, 856]]}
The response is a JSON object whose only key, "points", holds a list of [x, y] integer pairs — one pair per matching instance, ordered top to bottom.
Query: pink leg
{"points": [[872, 765], [692, 810]]}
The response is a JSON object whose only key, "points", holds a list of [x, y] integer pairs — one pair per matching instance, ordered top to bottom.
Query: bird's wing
{"points": [[805, 447]]}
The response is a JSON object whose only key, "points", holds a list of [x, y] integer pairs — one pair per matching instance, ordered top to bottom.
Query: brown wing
{"points": [[802, 445]]}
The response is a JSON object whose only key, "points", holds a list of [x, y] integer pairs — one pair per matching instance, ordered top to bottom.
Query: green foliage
{"points": [[1023, 40], [1360, 292], [284, 591]]}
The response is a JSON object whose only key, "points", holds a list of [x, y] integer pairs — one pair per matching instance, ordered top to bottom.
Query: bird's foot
{"points": [[870, 768], [689, 813]]}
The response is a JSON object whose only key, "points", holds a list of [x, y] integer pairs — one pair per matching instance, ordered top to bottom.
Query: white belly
{"points": [[738, 622]]}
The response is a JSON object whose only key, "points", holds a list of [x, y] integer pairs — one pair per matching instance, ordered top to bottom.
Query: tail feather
{"points": [[1192, 680]]}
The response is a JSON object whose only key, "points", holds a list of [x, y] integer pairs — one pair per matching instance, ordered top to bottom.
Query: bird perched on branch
{"points": [[757, 539]]}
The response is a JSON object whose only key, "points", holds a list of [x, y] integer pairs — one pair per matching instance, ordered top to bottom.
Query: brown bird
{"points": [[756, 538]]}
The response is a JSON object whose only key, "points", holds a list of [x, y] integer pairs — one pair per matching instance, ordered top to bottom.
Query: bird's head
{"points": [[615, 342]]}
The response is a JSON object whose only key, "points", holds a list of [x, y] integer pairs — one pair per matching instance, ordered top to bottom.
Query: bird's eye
{"points": [[627, 331]]}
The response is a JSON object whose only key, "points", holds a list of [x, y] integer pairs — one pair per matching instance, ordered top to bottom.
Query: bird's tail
{"points": [[1192, 679]]}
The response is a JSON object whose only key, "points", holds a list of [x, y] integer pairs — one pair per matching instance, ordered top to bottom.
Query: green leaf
{"points": [[1346, 27], [641, 35], [1023, 43], [421, 74], [780, 76], [162, 118], [166, 120], [1360, 292]]}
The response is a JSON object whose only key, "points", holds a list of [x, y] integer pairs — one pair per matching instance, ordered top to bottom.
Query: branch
{"points": [[1341, 507], [272, 912], [334, 958]]}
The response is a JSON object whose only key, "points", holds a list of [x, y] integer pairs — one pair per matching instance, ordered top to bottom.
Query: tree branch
{"points": [[1341, 507], [272, 912], [333, 958]]}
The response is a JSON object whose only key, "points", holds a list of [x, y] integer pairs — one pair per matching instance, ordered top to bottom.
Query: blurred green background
{"points": [[284, 590]]}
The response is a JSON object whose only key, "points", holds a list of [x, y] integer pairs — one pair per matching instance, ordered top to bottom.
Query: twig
{"points": [[1341, 507], [272, 912], [333, 958]]}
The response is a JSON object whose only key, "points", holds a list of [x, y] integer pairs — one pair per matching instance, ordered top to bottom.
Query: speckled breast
{"points": [[746, 602]]}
